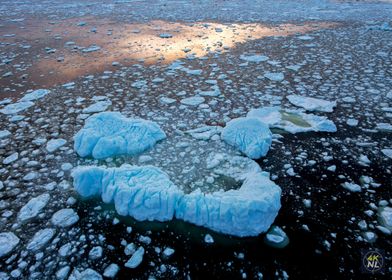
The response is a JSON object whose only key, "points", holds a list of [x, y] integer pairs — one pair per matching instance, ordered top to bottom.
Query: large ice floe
{"points": [[312, 104], [293, 121], [110, 133], [249, 135], [147, 193]]}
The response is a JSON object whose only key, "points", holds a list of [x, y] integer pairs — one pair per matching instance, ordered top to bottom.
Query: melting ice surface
{"points": [[109, 134], [147, 193]]}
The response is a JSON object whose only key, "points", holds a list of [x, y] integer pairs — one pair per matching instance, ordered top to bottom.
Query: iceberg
{"points": [[312, 104], [292, 121], [110, 133], [249, 135], [145, 193], [247, 211]]}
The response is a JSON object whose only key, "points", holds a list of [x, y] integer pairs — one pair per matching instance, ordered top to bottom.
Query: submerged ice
{"points": [[110, 133]]}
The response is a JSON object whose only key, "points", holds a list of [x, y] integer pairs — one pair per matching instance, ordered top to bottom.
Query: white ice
{"points": [[254, 58], [34, 95], [312, 104], [100, 106], [53, 144], [33, 207], [65, 218], [40, 239], [8, 241], [136, 258]]}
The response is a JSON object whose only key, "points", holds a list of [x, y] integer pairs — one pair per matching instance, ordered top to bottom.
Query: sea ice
{"points": [[254, 58], [276, 77], [34, 95], [193, 101], [312, 104], [100, 106], [16, 107], [293, 121], [205, 132], [110, 133], [4, 134], [249, 135], [53, 144], [387, 152], [11, 158], [352, 187], [145, 193], [33, 207], [247, 211], [385, 217], [65, 218], [276, 237], [40, 239], [8, 241], [136, 258], [111, 271]]}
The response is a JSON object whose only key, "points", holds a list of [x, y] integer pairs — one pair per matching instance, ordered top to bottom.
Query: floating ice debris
{"points": [[165, 35], [305, 38], [91, 48], [254, 58], [276, 77], [139, 84], [215, 91], [34, 95], [167, 100], [193, 101], [312, 104], [100, 106], [16, 107], [293, 121], [352, 122], [384, 127], [205, 132], [110, 133], [4, 134], [249, 135], [53, 144], [387, 152], [11, 158], [352, 187], [145, 193], [33, 207], [247, 211], [385, 217], [65, 218], [276, 237], [40, 239], [208, 239], [8, 241], [168, 252], [95, 253], [136, 258], [111, 271], [63, 272], [89, 274]]}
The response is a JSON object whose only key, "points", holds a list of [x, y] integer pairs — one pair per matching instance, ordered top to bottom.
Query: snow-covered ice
{"points": [[312, 104], [110, 133], [249, 135], [33, 207], [8, 241]]}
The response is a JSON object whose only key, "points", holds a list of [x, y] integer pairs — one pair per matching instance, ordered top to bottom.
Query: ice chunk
{"points": [[92, 48], [254, 58], [276, 77], [34, 95], [193, 101], [312, 104], [100, 106], [16, 107], [293, 121], [384, 127], [205, 132], [110, 133], [4, 134], [249, 135], [53, 144], [387, 152], [11, 158], [352, 187], [145, 193], [33, 207], [247, 211], [385, 217], [65, 218], [276, 237], [41, 238], [208, 239], [8, 241], [136, 258], [111, 271], [89, 274]]}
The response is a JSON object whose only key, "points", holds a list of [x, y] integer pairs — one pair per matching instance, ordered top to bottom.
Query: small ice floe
{"points": [[165, 35], [305, 38], [92, 48], [254, 58], [274, 76], [139, 84], [215, 91], [34, 95], [167, 100], [193, 101], [312, 104], [100, 106], [16, 107], [293, 121], [352, 122], [384, 127], [205, 132], [4, 133], [110, 133], [249, 135], [54, 144], [387, 152], [11, 158], [352, 187], [33, 207], [385, 217], [65, 218], [276, 237], [40, 239], [208, 239], [8, 241], [168, 252], [95, 253], [136, 258], [111, 271], [87, 274]]}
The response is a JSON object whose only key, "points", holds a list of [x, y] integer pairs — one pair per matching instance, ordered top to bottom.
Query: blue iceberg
{"points": [[110, 133], [249, 135], [143, 192], [247, 211]]}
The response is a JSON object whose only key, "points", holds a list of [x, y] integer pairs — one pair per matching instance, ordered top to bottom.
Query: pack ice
{"points": [[110, 133], [249, 135], [146, 193]]}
